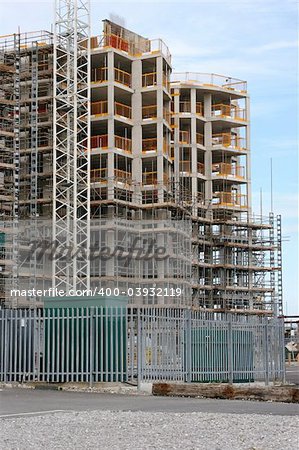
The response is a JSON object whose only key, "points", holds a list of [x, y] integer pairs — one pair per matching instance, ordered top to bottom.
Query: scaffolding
{"points": [[26, 125], [101, 146], [71, 155]]}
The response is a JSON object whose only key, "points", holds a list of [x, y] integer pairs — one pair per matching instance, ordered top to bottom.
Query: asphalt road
{"points": [[292, 374], [21, 402]]}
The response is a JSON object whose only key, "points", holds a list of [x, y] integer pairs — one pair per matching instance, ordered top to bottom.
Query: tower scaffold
{"points": [[71, 155]]}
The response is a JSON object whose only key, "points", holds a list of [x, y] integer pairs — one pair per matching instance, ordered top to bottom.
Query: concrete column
{"points": [[176, 100], [137, 129], [111, 145], [193, 147], [208, 148], [248, 155], [160, 173]]}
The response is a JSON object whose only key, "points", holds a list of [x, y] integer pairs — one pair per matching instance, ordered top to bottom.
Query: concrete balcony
{"points": [[129, 47], [99, 75], [122, 77], [150, 79], [212, 81], [99, 108], [185, 108], [122, 110], [149, 112], [230, 112], [184, 137], [199, 139], [101, 141], [229, 141], [123, 143], [149, 145], [186, 167], [225, 170], [100, 175], [151, 178], [229, 200]]}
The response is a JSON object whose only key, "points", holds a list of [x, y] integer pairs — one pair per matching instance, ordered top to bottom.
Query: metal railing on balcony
{"points": [[130, 47], [99, 74], [122, 77], [149, 79], [211, 79], [166, 81], [185, 107], [99, 108], [199, 108], [122, 110], [228, 111], [149, 112], [166, 115], [184, 137], [199, 138], [229, 140], [99, 141], [123, 143], [149, 145], [166, 147], [186, 166], [201, 168], [228, 170], [98, 175], [123, 176], [151, 178], [229, 199]]}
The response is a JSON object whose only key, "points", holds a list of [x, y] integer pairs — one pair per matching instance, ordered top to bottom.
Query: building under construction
{"points": [[97, 133]]}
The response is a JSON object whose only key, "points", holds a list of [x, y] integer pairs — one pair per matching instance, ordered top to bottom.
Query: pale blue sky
{"points": [[251, 40]]}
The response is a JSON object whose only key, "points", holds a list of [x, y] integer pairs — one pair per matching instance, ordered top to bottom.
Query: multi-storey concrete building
{"points": [[162, 146]]}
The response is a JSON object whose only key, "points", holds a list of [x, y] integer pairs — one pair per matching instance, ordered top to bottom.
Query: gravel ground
{"points": [[144, 430]]}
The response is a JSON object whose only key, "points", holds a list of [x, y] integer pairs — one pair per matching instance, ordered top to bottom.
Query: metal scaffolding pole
{"points": [[71, 154], [16, 160]]}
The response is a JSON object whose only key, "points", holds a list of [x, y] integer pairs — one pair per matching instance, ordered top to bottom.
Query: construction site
{"points": [[103, 134], [104, 149]]}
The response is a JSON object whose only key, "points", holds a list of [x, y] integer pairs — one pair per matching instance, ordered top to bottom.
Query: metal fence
{"points": [[139, 344]]}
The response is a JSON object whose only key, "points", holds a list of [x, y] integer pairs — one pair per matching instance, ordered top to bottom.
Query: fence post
{"points": [[6, 344], [188, 346], [91, 347], [230, 348], [139, 349], [282, 351], [266, 352]]}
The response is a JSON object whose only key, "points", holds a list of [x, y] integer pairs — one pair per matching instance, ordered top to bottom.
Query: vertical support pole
{"points": [[16, 173], [92, 316], [188, 346], [6, 347], [230, 348], [139, 349], [281, 349], [267, 360]]}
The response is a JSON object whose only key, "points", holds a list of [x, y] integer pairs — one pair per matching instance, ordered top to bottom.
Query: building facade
{"points": [[164, 149]]}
